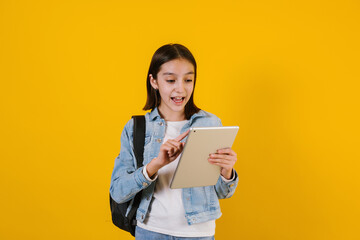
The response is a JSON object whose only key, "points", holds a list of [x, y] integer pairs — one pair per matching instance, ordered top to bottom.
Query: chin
{"points": [[178, 109]]}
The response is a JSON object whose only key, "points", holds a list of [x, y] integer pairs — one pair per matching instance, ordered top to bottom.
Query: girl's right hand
{"points": [[169, 151]]}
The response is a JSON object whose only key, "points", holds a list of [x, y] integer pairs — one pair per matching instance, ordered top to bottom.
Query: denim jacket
{"points": [[201, 204]]}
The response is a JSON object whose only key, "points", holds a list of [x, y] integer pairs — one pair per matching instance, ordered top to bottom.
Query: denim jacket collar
{"points": [[155, 114]]}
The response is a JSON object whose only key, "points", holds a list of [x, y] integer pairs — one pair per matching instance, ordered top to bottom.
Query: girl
{"points": [[166, 213]]}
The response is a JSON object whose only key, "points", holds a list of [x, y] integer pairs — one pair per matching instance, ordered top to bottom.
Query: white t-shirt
{"points": [[166, 213]]}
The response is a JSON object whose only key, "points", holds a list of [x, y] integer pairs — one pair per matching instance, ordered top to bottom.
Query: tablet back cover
{"points": [[194, 169]]}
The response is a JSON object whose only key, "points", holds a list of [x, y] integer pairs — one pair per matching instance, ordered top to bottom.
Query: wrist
{"points": [[152, 168], [228, 174], [146, 175]]}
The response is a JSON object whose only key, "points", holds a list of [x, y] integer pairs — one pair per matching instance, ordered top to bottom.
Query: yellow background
{"points": [[287, 72]]}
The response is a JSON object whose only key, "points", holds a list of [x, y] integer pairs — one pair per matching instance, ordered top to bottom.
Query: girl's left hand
{"points": [[225, 158]]}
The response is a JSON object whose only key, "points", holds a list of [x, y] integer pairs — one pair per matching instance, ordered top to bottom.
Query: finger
{"points": [[182, 136], [177, 144], [174, 145], [182, 146], [167, 149], [173, 150], [226, 151], [177, 153], [174, 156], [222, 156], [221, 163]]}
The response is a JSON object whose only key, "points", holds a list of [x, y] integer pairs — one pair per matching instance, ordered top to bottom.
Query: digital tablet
{"points": [[194, 169]]}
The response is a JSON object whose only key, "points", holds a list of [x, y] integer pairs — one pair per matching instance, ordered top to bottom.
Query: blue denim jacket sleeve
{"points": [[126, 179], [226, 189]]}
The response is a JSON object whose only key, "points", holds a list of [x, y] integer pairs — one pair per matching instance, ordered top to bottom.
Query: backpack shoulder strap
{"points": [[139, 138], [138, 141]]}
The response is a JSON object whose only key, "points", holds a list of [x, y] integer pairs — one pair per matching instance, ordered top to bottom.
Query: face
{"points": [[175, 82]]}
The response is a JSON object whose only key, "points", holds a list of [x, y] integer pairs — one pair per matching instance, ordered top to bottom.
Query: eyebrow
{"points": [[170, 73]]}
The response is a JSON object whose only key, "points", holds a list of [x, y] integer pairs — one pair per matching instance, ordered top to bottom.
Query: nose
{"points": [[180, 87]]}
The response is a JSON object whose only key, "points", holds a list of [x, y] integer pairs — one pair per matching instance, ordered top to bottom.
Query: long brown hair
{"points": [[162, 55]]}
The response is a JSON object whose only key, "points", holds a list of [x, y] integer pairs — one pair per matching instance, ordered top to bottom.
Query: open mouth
{"points": [[178, 100]]}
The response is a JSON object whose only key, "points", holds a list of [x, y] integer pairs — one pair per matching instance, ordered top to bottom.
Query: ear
{"points": [[153, 82]]}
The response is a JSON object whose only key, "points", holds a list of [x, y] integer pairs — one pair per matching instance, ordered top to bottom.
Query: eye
{"points": [[189, 80], [170, 81]]}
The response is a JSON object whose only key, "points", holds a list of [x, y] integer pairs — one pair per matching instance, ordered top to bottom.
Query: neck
{"points": [[171, 116]]}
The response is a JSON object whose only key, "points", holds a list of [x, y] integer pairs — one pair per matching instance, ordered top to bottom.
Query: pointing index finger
{"points": [[182, 136]]}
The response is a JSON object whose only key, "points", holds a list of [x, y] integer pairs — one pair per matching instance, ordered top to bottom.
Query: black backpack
{"points": [[118, 211]]}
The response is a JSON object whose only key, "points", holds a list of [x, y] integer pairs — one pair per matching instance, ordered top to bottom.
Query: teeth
{"points": [[177, 99]]}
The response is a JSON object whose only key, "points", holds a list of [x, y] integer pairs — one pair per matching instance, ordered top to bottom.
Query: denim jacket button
{"points": [[161, 123], [158, 140], [144, 184], [231, 185]]}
